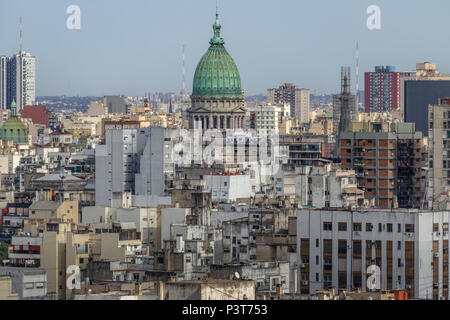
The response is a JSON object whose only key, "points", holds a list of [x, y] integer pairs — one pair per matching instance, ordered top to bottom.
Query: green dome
{"points": [[217, 76], [14, 130]]}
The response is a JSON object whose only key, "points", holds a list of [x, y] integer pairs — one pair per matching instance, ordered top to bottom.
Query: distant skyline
{"points": [[133, 47]]}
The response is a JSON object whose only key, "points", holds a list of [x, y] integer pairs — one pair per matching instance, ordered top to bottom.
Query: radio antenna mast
{"points": [[20, 34]]}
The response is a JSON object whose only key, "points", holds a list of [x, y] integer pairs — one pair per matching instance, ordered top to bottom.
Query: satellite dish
{"points": [[236, 275]]}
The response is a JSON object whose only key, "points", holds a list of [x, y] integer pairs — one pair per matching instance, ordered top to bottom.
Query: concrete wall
{"points": [[171, 216], [6, 289]]}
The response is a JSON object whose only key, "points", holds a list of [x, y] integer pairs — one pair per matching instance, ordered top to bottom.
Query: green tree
{"points": [[3, 252]]}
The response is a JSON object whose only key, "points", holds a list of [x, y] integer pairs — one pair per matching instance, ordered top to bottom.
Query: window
{"points": [[327, 226], [342, 226], [357, 227], [369, 227], [380, 227], [389, 227], [399, 227], [436, 227], [409, 228], [317, 243], [399, 245], [342, 247], [357, 247], [317, 259], [29, 285]]}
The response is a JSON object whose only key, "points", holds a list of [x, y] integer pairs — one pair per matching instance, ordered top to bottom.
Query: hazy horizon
{"points": [[133, 48]]}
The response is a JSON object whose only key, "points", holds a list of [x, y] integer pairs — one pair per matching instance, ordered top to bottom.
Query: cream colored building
{"points": [[302, 105], [41, 212], [64, 247], [6, 289]]}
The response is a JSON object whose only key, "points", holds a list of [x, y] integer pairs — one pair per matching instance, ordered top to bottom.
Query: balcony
{"points": [[25, 256]]}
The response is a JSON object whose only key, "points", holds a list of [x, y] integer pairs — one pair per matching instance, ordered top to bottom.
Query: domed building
{"points": [[217, 99], [14, 129]]}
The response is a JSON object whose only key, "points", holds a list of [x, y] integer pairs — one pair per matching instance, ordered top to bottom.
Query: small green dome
{"points": [[217, 76], [14, 129]]}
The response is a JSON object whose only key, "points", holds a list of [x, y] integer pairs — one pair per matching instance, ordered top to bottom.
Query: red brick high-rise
{"points": [[382, 90]]}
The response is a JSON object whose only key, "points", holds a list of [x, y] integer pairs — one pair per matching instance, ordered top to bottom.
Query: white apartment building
{"points": [[22, 79], [267, 117], [9, 163], [130, 163], [327, 187], [228, 188], [201, 246], [410, 248], [28, 283]]}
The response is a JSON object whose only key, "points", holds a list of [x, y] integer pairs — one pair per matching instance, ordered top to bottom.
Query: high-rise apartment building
{"points": [[22, 79], [17, 80], [4, 82], [382, 89], [418, 90], [298, 98], [439, 148], [388, 163], [129, 164]]}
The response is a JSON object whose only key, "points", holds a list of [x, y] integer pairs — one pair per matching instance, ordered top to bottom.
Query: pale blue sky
{"points": [[132, 47]]}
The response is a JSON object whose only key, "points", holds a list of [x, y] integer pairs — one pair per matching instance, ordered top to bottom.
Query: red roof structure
{"points": [[37, 114]]}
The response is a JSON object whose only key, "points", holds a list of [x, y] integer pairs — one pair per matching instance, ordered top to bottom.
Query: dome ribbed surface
{"points": [[217, 76]]}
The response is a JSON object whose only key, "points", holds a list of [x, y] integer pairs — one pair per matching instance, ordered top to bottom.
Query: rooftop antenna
{"points": [[20, 34], [357, 68], [183, 89]]}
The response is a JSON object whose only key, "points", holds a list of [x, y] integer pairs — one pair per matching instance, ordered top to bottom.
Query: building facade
{"points": [[21, 79], [382, 89], [297, 98], [439, 145], [130, 163], [388, 164], [409, 248]]}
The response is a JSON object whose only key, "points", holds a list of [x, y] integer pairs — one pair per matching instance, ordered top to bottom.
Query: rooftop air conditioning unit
{"points": [[436, 255]]}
